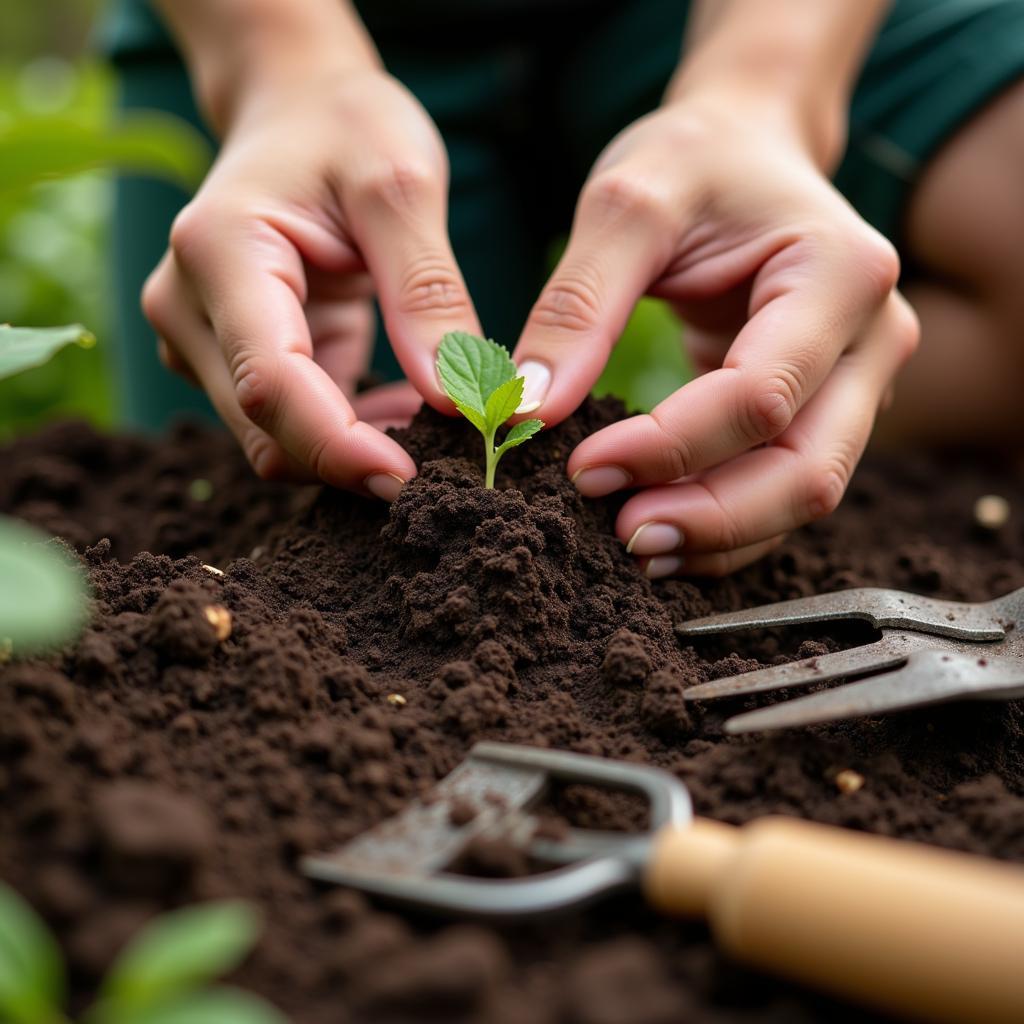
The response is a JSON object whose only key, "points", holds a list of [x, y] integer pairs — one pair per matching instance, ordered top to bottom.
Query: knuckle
{"points": [[400, 184], [613, 194], [189, 232], [879, 263], [432, 285], [156, 301], [569, 304], [906, 331], [254, 387], [772, 404], [262, 454], [675, 454], [318, 456], [826, 487], [728, 534]]}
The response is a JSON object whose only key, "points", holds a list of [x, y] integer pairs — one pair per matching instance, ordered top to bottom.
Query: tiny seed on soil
{"points": [[200, 490], [991, 511], [213, 570], [220, 618], [396, 700], [848, 781]]}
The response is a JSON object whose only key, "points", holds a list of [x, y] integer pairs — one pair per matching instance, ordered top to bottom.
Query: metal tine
{"points": [[883, 608], [891, 650], [929, 677]]}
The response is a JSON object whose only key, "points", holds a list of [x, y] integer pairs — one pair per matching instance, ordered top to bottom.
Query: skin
{"points": [[788, 296]]}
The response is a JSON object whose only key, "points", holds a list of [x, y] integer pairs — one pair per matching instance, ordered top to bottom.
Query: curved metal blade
{"points": [[883, 608], [892, 649], [929, 677]]}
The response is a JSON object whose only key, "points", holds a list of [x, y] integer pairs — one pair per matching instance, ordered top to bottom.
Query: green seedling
{"points": [[478, 375], [162, 977]]}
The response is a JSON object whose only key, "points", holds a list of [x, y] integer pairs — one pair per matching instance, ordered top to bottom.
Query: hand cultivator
{"points": [[938, 650], [913, 930]]}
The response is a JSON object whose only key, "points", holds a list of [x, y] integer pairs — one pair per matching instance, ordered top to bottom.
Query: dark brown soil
{"points": [[154, 763]]}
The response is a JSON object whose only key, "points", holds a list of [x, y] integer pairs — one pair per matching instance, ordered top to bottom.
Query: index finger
{"points": [[250, 282], [810, 304]]}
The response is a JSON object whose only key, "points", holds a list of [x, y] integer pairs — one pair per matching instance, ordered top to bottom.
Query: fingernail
{"points": [[535, 387], [600, 480], [385, 486], [654, 539], [662, 565]]}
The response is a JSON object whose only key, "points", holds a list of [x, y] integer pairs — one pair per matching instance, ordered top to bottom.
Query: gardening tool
{"points": [[945, 650], [907, 928]]}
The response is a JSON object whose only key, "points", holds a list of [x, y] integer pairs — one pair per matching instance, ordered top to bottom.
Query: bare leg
{"points": [[965, 234]]}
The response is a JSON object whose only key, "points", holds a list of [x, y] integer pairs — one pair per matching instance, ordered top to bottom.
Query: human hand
{"points": [[325, 191], [792, 320]]}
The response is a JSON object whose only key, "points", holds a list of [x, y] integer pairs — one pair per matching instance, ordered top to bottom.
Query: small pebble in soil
{"points": [[991, 511], [220, 618], [396, 700], [848, 781], [461, 812]]}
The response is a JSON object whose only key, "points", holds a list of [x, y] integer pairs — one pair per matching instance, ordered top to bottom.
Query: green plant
{"points": [[61, 135], [23, 347], [478, 375], [43, 594], [42, 600], [161, 977]]}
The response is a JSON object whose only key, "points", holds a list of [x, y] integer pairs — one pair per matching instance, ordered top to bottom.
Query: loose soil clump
{"points": [[210, 727]]}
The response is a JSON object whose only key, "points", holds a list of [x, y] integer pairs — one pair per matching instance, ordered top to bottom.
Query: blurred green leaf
{"points": [[35, 148], [24, 347], [648, 362], [43, 596], [179, 951], [31, 971], [211, 1006]]}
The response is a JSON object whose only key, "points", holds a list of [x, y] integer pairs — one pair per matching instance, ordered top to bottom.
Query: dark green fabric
{"points": [[934, 64], [525, 103]]}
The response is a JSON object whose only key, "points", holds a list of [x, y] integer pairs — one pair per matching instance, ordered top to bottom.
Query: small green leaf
{"points": [[25, 347], [472, 368], [503, 403], [474, 417], [518, 434], [43, 596], [179, 951], [31, 972], [210, 1006]]}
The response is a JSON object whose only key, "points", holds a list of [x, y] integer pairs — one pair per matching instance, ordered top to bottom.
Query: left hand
{"points": [[716, 204]]}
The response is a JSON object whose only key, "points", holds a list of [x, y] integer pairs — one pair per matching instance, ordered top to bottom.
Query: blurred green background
{"points": [[59, 138]]}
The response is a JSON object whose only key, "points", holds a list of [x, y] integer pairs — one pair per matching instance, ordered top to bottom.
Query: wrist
{"points": [[240, 50], [779, 103]]}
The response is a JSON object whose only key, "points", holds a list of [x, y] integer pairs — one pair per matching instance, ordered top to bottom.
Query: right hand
{"points": [[323, 194]]}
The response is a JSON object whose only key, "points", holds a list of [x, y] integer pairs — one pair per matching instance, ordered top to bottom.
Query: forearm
{"points": [[231, 46], [801, 57]]}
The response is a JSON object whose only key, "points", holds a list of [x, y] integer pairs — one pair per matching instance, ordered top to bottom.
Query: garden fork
{"points": [[939, 651]]}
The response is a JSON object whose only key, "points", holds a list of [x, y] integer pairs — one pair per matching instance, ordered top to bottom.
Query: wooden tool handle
{"points": [[907, 928]]}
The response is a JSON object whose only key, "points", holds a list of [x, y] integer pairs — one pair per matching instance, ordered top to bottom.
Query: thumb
{"points": [[402, 234], [613, 254]]}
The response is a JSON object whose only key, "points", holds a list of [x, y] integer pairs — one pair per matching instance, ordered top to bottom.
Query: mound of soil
{"points": [[270, 671]]}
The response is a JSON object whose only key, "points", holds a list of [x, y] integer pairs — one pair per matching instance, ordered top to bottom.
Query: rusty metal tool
{"points": [[936, 651], [910, 929]]}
